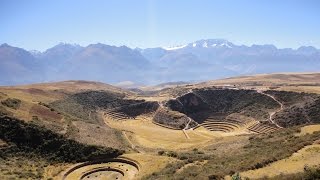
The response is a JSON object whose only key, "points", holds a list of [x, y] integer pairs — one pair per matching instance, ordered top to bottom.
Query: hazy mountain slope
{"points": [[232, 59], [199, 60], [97, 62], [106, 63], [18, 66]]}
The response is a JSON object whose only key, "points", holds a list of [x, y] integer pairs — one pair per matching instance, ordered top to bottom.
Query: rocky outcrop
{"points": [[173, 119]]}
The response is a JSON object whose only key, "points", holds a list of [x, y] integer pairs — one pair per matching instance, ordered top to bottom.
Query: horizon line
{"points": [[163, 47]]}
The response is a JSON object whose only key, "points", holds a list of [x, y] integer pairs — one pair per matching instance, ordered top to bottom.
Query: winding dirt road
{"points": [[273, 113], [187, 127], [129, 141]]}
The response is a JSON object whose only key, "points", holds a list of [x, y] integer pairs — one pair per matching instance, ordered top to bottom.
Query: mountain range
{"points": [[197, 61]]}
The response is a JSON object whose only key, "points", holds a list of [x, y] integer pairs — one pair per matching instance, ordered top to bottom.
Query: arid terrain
{"points": [[255, 127]]}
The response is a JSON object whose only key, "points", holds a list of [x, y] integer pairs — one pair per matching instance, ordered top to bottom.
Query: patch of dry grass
{"points": [[270, 79], [306, 89], [309, 129], [99, 135], [149, 135], [308, 156], [150, 163]]}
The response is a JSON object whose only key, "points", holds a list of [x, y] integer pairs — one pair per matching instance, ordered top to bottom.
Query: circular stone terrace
{"points": [[117, 168]]}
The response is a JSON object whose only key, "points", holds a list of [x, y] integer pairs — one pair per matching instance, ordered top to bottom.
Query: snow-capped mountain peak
{"points": [[205, 43], [211, 43], [226, 45], [174, 47], [35, 53]]}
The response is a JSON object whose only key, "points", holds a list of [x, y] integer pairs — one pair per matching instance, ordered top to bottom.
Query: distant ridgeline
{"points": [[200, 60]]}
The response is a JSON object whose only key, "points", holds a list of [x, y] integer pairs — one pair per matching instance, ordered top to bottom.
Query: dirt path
{"points": [[161, 105], [273, 113], [90, 115], [187, 125], [186, 128], [185, 133], [130, 142]]}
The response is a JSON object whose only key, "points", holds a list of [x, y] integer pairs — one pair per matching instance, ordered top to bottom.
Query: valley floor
{"points": [[145, 134]]}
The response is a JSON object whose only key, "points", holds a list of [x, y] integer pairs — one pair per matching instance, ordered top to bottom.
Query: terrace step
{"points": [[117, 115], [233, 121], [220, 123], [219, 128], [261, 128]]}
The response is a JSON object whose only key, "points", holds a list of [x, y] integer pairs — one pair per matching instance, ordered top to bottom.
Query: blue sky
{"points": [[40, 24]]}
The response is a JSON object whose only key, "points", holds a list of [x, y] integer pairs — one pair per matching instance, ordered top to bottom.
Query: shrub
{"points": [[12, 103], [4, 112], [35, 118], [160, 153], [172, 154], [183, 157], [190, 161], [312, 173], [236, 176], [215, 177]]}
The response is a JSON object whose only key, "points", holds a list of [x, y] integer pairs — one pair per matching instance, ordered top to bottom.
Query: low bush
{"points": [[12, 103], [4, 112], [160, 153], [311, 173]]}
